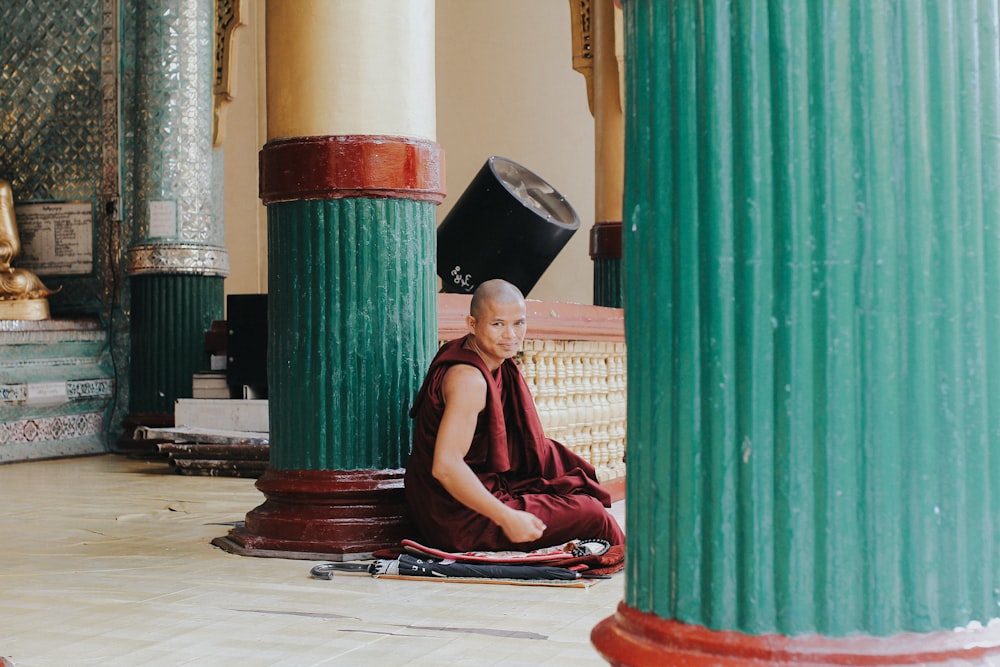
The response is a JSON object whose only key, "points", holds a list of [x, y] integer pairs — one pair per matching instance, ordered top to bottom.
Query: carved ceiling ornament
{"points": [[229, 15], [583, 44]]}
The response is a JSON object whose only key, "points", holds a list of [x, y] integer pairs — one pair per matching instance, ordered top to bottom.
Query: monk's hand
{"points": [[521, 527]]}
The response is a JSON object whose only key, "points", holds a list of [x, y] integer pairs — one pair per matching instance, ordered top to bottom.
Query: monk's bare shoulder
{"points": [[464, 385]]}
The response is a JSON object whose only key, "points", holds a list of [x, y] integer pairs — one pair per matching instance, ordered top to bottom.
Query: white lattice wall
{"points": [[579, 390]]}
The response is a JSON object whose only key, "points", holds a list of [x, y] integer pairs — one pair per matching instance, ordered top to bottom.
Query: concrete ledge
{"points": [[222, 414]]}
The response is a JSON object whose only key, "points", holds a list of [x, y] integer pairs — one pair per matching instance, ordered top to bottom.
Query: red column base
{"points": [[325, 514], [634, 638]]}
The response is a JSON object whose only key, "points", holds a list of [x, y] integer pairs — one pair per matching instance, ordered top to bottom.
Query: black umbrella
{"points": [[408, 565]]}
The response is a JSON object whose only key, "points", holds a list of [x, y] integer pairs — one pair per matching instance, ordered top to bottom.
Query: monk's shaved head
{"points": [[493, 291]]}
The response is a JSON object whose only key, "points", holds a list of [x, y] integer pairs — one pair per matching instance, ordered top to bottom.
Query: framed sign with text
{"points": [[57, 238]]}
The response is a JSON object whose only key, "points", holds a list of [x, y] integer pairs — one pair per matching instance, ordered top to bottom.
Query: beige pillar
{"points": [[332, 72], [609, 121]]}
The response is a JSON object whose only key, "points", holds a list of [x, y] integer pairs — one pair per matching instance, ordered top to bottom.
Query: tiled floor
{"points": [[107, 561]]}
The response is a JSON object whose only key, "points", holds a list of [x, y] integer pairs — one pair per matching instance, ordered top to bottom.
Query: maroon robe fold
{"points": [[512, 458]]}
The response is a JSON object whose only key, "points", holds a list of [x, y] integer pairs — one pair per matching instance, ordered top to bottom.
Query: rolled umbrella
{"points": [[407, 565], [418, 567]]}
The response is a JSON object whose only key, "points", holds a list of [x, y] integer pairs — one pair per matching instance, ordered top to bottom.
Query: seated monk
{"points": [[482, 475]]}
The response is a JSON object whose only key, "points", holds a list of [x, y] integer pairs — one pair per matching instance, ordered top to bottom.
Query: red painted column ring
{"points": [[334, 167], [606, 240], [635, 638]]}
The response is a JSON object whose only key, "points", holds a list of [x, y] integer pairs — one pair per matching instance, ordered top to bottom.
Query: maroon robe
{"points": [[512, 458]]}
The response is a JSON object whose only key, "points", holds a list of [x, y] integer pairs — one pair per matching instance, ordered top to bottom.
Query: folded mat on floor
{"points": [[558, 554], [591, 555], [574, 563]]}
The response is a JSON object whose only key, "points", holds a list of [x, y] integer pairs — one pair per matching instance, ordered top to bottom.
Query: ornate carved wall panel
{"points": [[59, 125]]}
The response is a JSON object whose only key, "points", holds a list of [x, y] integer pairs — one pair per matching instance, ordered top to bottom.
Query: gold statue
{"points": [[23, 296]]}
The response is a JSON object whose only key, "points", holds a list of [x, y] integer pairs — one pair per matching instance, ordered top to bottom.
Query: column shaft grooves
{"points": [[810, 263], [351, 277], [607, 282], [170, 314]]}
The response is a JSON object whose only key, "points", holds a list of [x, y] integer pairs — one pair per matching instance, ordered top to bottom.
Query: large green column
{"points": [[351, 177], [176, 261], [356, 278], [813, 316]]}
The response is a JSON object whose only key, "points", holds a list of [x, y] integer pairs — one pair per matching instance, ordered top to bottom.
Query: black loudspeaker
{"points": [[508, 224], [246, 344]]}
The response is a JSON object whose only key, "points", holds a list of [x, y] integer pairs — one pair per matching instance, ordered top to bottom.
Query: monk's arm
{"points": [[464, 390]]}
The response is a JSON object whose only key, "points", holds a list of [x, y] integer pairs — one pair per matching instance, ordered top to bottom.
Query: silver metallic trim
{"points": [[178, 258]]}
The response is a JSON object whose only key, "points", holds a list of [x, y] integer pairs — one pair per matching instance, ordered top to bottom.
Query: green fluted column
{"points": [[597, 20], [351, 176], [176, 259], [811, 268], [607, 282], [354, 307], [170, 315]]}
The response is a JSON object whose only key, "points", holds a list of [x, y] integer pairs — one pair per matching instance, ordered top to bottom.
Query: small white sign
{"points": [[162, 219], [46, 393]]}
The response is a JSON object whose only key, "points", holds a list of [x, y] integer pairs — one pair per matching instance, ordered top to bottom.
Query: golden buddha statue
{"points": [[23, 296]]}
